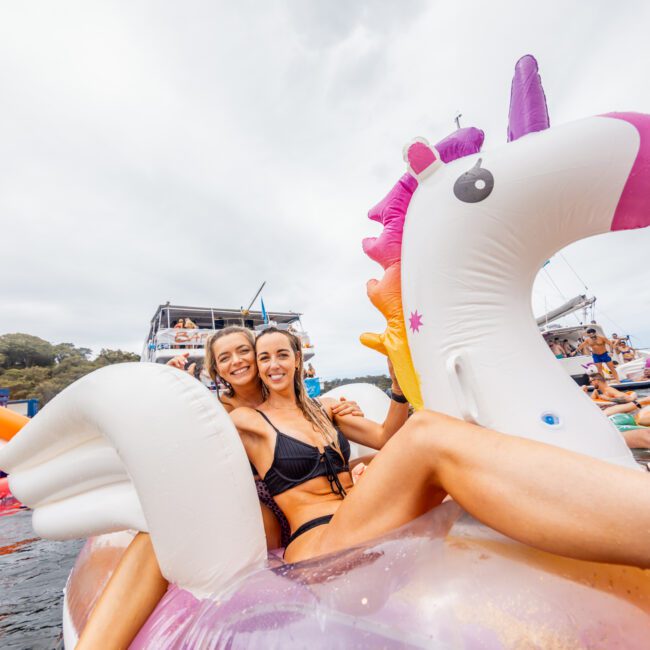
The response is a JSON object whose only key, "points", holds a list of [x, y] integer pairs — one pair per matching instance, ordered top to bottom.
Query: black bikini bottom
{"points": [[312, 523]]}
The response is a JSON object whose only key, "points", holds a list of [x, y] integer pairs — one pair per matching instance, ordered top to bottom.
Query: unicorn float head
{"points": [[465, 233]]}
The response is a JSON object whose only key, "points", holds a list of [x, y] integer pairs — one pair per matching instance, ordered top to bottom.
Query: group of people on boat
{"points": [[185, 323], [606, 353], [300, 453]]}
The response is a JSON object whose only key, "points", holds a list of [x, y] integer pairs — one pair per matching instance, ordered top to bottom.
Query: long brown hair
{"points": [[210, 362], [311, 409]]}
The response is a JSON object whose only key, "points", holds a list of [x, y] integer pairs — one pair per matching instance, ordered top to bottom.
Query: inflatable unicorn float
{"points": [[144, 447]]}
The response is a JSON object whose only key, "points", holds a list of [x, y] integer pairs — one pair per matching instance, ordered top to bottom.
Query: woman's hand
{"points": [[179, 361], [346, 407], [357, 472]]}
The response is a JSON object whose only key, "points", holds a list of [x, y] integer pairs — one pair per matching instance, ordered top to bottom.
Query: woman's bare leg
{"points": [[544, 496], [134, 590], [132, 593]]}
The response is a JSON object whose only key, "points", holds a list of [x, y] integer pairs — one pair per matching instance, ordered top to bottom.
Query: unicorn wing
{"points": [[145, 447]]}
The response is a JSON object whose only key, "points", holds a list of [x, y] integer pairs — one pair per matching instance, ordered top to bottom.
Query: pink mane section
{"points": [[633, 209], [391, 211]]}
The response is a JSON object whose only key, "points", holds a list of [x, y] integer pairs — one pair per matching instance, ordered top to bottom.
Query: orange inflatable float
{"points": [[10, 423]]}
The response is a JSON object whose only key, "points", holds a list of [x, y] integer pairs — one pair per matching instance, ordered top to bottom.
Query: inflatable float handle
{"points": [[462, 386]]}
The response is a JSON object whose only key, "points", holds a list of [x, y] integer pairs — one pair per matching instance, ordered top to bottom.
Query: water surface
{"points": [[33, 572]]}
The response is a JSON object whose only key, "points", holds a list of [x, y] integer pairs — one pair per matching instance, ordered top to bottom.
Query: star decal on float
{"points": [[415, 321]]}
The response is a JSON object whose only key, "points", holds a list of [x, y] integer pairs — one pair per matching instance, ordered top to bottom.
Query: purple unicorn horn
{"points": [[528, 111]]}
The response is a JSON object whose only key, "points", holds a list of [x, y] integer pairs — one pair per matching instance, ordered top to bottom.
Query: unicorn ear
{"points": [[528, 110], [422, 158]]}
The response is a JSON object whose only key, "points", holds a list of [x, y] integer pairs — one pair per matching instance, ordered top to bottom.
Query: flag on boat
{"points": [[265, 316]]}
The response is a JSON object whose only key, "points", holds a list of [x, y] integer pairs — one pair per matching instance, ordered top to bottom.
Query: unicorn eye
{"points": [[474, 185]]}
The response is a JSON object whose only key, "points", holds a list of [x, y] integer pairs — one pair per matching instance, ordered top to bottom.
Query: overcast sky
{"points": [[154, 151]]}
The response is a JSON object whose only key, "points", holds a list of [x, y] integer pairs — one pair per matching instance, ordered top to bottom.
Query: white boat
{"points": [[165, 341], [580, 365]]}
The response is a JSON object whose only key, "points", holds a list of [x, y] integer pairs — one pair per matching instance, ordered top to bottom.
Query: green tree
{"points": [[24, 350], [68, 350], [108, 357], [33, 368], [381, 381], [23, 383]]}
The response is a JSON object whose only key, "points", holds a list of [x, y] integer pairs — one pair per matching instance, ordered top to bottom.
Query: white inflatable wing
{"points": [[145, 447]]}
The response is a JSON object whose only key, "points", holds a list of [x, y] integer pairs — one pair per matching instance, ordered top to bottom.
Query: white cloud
{"points": [[155, 151]]}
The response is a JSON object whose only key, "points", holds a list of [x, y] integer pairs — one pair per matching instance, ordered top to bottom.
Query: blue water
{"points": [[33, 572]]}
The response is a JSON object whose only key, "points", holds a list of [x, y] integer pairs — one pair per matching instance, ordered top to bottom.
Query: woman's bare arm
{"points": [[366, 432]]}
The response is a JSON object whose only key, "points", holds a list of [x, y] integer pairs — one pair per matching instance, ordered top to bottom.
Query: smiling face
{"points": [[235, 359], [277, 361]]}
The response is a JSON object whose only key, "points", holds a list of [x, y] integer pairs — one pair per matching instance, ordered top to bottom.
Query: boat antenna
{"points": [[245, 311]]}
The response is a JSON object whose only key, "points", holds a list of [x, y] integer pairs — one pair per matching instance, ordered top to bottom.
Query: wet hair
{"points": [[591, 330], [210, 361], [311, 409]]}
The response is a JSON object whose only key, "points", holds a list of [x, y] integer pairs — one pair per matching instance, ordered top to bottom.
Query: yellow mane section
{"points": [[386, 296]]}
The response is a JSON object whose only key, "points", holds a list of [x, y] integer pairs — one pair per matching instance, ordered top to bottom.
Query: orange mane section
{"points": [[386, 296]]}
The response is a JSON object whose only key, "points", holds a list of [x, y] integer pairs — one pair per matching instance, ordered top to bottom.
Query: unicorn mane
{"points": [[386, 294]]}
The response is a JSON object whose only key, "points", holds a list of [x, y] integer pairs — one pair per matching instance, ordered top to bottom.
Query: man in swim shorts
{"points": [[599, 348]]}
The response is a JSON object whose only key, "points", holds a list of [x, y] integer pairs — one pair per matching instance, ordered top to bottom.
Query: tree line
{"points": [[31, 367], [381, 381]]}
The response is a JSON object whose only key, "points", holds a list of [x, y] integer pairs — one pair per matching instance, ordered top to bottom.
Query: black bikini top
{"points": [[296, 462]]}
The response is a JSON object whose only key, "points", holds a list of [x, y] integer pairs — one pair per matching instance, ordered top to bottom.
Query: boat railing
{"points": [[177, 338]]}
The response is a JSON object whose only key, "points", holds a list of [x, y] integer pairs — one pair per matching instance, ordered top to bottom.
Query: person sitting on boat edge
{"points": [[599, 347], [556, 348], [569, 350], [433, 455]]}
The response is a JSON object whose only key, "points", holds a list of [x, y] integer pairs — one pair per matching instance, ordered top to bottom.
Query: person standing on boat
{"points": [[599, 347], [625, 350]]}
